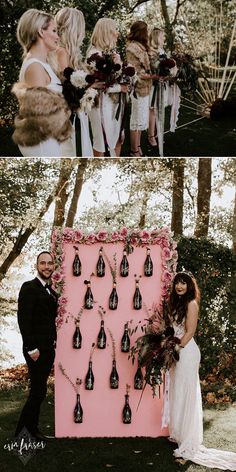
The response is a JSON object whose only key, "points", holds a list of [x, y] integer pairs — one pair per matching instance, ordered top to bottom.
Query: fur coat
{"points": [[137, 55], [43, 114]]}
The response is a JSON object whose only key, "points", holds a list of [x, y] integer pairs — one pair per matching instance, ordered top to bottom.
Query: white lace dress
{"points": [[183, 410]]}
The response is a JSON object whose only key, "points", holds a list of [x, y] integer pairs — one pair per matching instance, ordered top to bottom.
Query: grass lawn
{"points": [[200, 139], [102, 454]]}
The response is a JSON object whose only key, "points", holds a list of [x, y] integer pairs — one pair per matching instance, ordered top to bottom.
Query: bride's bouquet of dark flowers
{"points": [[107, 67], [163, 67], [187, 76], [77, 90], [156, 349]]}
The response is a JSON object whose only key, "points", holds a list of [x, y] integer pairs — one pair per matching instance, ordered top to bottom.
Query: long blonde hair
{"points": [[29, 25], [71, 31], [103, 37], [154, 38]]}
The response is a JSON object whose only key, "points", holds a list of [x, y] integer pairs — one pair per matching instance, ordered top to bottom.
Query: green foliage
{"points": [[212, 264]]}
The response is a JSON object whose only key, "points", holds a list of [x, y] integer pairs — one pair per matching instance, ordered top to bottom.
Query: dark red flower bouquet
{"points": [[107, 67], [77, 91], [156, 349]]}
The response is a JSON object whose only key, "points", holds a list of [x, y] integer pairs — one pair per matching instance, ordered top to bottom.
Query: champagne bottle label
{"points": [[76, 265], [100, 266], [124, 266], [148, 266], [113, 299], [88, 300], [137, 300], [125, 340], [78, 411]]}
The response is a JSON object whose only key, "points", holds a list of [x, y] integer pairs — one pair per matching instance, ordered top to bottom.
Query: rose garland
{"points": [[161, 236]]}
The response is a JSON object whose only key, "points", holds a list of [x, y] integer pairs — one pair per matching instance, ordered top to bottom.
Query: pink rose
{"points": [[165, 230], [123, 232], [68, 235], [78, 235], [144, 235], [55, 236], [101, 236], [115, 236], [91, 238], [166, 254], [166, 276], [57, 277], [62, 301], [61, 310]]}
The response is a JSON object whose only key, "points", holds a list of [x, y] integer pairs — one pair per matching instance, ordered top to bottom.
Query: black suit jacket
{"points": [[37, 310]]}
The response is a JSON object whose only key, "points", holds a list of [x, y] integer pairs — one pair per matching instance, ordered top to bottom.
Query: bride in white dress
{"points": [[43, 123], [182, 411]]}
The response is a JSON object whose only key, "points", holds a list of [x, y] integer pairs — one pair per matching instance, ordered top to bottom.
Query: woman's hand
{"points": [[144, 76], [99, 85], [124, 88]]}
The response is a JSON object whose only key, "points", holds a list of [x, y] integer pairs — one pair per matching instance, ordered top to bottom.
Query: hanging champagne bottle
{"points": [[76, 263], [100, 265], [124, 265], [148, 265], [88, 299], [113, 299], [137, 299], [77, 338], [125, 340], [101, 342], [114, 377], [89, 379], [138, 379], [78, 411], [127, 413]]}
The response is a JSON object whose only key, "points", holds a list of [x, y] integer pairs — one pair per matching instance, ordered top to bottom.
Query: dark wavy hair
{"points": [[139, 32], [178, 305]]}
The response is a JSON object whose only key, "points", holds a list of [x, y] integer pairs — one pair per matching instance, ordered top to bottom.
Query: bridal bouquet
{"points": [[107, 67], [163, 67], [77, 91], [156, 349]]}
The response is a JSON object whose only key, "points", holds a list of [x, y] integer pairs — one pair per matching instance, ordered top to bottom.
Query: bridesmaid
{"points": [[71, 30], [156, 39], [137, 54], [43, 120], [106, 128]]}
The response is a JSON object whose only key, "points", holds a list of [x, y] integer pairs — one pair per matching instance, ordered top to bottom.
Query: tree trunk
{"points": [[64, 177], [77, 191], [178, 197], [203, 197], [142, 219], [234, 224], [23, 236]]}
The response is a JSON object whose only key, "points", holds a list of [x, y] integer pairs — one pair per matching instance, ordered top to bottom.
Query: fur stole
{"points": [[43, 114]]}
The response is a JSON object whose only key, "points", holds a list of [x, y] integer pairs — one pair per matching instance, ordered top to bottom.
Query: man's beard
{"points": [[44, 277]]}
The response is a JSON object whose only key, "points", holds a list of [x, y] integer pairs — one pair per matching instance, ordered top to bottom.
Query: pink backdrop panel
{"points": [[103, 406]]}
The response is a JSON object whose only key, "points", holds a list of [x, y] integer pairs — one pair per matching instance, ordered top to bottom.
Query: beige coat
{"points": [[137, 55], [43, 114]]}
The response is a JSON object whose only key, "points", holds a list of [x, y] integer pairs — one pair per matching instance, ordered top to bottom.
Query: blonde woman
{"points": [[71, 30], [137, 54], [43, 120], [106, 128]]}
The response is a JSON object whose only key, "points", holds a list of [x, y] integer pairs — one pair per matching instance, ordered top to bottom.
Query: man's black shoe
{"points": [[42, 437]]}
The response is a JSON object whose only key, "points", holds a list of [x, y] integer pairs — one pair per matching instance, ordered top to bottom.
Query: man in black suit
{"points": [[37, 309]]}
